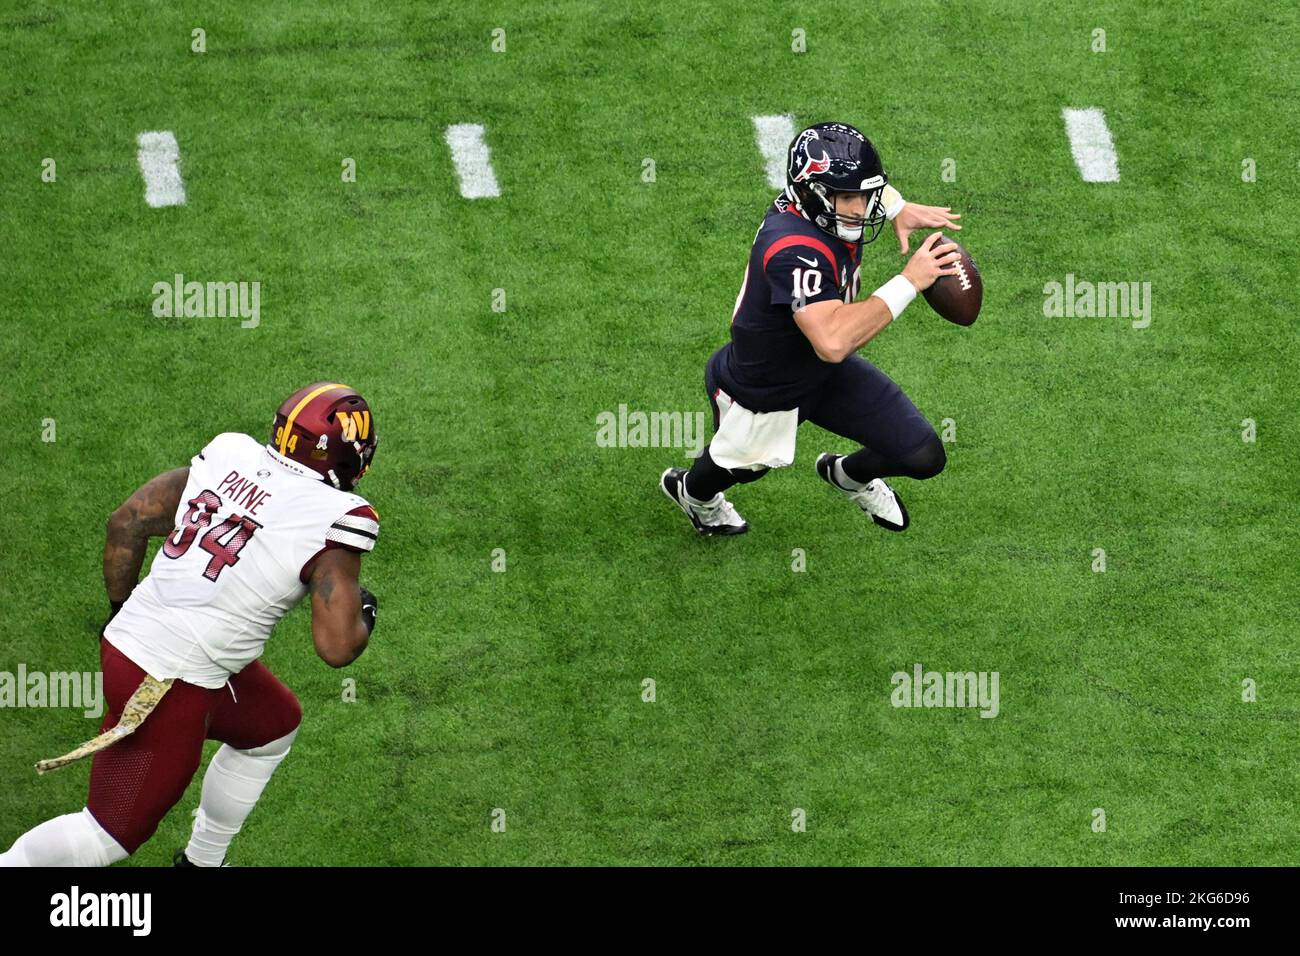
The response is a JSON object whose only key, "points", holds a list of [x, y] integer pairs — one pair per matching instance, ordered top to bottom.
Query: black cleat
{"points": [[876, 499], [714, 517], [180, 859]]}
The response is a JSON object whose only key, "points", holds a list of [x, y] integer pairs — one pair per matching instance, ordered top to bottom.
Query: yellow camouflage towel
{"points": [[140, 706]]}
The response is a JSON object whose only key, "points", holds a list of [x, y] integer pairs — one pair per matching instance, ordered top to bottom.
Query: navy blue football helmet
{"points": [[831, 158]]}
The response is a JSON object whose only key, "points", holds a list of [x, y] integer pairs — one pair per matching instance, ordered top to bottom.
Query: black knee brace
{"points": [[927, 461]]}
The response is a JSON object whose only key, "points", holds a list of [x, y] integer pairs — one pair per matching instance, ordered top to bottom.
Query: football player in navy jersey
{"points": [[794, 333]]}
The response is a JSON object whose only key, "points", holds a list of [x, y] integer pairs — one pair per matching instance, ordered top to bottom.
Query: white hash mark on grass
{"points": [[773, 135], [1090, 142], [159, 157], [473, 162]]}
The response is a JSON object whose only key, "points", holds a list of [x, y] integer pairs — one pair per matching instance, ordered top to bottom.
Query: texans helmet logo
{"points": [[813, 165]]}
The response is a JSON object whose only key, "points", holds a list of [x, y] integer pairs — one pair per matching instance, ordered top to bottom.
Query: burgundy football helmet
{"points": [[328, 428]]}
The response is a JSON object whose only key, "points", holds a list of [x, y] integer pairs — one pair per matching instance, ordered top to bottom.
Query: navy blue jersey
{"points": [[770, 365]]}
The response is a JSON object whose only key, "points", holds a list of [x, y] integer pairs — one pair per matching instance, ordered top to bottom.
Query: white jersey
{"points": [[248, 525]]}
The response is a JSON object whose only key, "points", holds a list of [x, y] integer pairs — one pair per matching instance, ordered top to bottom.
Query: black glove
{"points": [[369, 609]]}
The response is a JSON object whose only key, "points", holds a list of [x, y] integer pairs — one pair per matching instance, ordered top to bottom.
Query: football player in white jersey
{"points": [[250, 530]]}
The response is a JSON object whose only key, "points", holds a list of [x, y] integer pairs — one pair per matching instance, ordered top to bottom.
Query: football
{"points": [[958, 297]]}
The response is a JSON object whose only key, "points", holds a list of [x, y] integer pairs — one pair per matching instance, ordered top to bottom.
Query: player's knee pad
{"points": [[928, 460], [744, 476], [276, 749]]}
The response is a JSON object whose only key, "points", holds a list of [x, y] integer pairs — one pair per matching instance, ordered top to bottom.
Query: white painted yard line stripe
{"points": [[773, 135], [1090, 142], [159, 157], [473, 162]]}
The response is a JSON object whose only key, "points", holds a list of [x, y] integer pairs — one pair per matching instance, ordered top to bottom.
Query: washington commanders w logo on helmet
{"points": [[832, 158], [328, 428]]}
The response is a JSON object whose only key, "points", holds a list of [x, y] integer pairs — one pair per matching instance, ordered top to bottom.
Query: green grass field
{"points": [[522, 690]]}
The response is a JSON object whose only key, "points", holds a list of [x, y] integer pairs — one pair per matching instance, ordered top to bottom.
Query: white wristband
{"points": [[897, 293]]}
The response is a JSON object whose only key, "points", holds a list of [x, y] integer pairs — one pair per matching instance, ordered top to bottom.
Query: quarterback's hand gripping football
{"points": [[931, 261]]}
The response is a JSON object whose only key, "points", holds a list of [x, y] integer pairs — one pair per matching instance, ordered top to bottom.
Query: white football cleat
{"points": [[876, 499], [713, 517]]}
